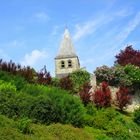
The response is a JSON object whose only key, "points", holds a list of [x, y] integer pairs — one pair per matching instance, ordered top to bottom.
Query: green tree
{"points": [[79, 78]]}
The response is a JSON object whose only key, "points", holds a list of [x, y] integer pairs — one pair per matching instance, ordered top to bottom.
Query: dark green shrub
{"points": [[133, 73], [78, 78], [16, 80], [55, 82], [32, 89], [35, 90], [8, 104], [14, 105], [48, 105], [91, 109], [43, 110], [72, 111], [137, 116], [24, 125]]}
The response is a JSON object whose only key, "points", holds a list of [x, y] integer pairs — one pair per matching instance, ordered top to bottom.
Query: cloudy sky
{"points": [[31, 30]]}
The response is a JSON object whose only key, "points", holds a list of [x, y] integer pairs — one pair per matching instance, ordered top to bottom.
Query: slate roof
{"points": [[66, 47]]}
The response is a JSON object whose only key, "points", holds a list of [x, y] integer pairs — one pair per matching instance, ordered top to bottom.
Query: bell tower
{"points": [[66, 60]]}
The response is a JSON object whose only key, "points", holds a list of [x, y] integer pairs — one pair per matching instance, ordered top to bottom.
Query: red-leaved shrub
{"points": [[128, 56], [27, 72], [44, 77], [66, 83], [85, 93], [102, 95], [123, 97]]}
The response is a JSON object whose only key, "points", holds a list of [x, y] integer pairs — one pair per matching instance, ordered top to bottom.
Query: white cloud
{"points": [[124, 12], [42, 16], [89, 27], [130, 28], [85, 29], [118, 42], [34, 57]]}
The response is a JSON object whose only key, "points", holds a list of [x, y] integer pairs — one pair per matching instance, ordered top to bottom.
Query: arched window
{"points": [[69, 63], [62, 64]]}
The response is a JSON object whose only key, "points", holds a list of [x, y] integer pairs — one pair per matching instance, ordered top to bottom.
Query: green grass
{"points": [[10, 131]]}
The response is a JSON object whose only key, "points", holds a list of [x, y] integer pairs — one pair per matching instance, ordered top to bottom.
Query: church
{"points": [[66, 60]]}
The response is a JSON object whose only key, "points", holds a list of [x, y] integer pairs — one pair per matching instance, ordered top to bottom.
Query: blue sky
{"points": [[31, 30]]}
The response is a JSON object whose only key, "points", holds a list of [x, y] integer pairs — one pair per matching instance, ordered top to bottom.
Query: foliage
{"points": [[128, 56], [26, 72], [133, 74], [114, 76], [44, 77], [78, 78], [16, 80], [55, 82], [66, 83], [7, 87], [36, 90], [85, 93], [102, 96], [123, 97], [39, 101], [11, 105], [40, 107], [91, 109], [72, 111], [137, 116], [104, 117], [24, 125], [115, 125], [10, 131], [67, 132], [97, 133]]}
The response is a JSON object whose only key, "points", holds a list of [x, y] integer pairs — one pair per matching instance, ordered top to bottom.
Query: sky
{"points": [[31, 30]]}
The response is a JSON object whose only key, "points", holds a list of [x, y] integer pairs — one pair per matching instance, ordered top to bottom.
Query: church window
{"points": [[69, 63], [62, 64]]}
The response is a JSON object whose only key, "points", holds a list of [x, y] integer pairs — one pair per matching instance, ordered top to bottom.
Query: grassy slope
{"points": [[9, 131]]}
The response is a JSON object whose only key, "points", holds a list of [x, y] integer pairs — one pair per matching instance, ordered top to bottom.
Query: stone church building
{"points": [[66, 60]]}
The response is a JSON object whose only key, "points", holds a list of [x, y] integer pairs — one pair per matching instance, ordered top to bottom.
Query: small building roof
{"points": [[66, 47]]}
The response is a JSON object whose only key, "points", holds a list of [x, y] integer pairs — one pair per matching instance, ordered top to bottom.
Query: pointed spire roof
{"points": [[66, 48]]}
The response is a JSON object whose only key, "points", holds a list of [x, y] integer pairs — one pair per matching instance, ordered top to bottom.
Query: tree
{"points": [[128, 56], [79, 77], [102, 96], [123, 97]]}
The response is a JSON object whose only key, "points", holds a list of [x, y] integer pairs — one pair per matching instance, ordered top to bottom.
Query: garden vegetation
{"points": [[33, 105]]}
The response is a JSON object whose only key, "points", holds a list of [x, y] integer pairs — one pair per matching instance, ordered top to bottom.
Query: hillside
{"points": [[31, 110], [11, 131]]}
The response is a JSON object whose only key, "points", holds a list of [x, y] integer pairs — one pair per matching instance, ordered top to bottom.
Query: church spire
{"points": [[66, 48], [66, 60]]}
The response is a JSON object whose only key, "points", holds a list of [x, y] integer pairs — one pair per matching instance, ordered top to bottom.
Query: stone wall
{"points": [[135, 102]]}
